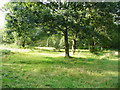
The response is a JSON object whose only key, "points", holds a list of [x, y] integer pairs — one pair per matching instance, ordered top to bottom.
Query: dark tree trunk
{"points": [[66, 43], [23, 44], [73, 46], [92, 47]]}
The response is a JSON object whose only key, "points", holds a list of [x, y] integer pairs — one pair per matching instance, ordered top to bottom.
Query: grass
{"points": [[39, 68]]}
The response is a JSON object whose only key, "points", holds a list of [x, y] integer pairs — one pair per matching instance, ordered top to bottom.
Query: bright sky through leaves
{"points": [[2, 15]]}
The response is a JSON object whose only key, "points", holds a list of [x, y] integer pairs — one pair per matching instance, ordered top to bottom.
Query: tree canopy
{"points": [[86, 24]]}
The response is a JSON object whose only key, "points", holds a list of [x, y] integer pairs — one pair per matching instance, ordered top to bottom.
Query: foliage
{"points": [[90, 24], [56, 41], [5, 52]]}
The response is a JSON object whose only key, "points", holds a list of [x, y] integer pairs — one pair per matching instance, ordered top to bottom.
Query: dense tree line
{"points": [[63, 25]]}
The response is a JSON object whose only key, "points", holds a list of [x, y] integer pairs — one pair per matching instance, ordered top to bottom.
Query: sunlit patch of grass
{"points": [[47, 48], [49, 69]]}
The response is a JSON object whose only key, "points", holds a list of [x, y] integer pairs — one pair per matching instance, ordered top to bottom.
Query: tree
{"points": [[64, 19], [83, 22], [99, 24]]}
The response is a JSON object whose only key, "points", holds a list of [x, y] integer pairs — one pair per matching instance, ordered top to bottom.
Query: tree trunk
{"points": [[66, 43], [23, 44], [47, 44], [73, 46], [92, 47]]}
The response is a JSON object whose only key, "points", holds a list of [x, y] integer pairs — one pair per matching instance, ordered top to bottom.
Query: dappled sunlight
{"points": [[59, 45], [48, 48], [15, 49], [42, 51], [35, 52], [116, 53], [46, 54], [84, 54], [52, 55], [108, 55], [114, 59], [7, 64], [11, 64], [49, 66], [35, 70], [82, 71], [112, 73], [103, 74]]}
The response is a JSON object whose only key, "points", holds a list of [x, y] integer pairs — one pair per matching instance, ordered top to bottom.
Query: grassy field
{"points": [[44, 68]]}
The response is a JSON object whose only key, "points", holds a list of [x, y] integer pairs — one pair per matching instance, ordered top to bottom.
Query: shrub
{"points": [[5, 52]]}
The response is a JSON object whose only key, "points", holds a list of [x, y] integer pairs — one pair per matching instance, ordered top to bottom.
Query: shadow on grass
{"points": [[50, 50], [100, 53], [56, 60], [74, 62], [68, 64]]}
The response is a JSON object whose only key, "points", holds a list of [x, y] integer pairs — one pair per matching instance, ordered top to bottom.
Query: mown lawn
{"points": [[47, 69]]}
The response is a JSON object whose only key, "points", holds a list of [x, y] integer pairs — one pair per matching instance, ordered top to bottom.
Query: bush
{"points": [[5, 52]]}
